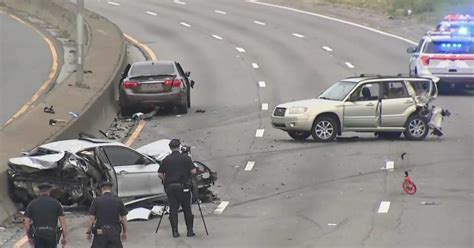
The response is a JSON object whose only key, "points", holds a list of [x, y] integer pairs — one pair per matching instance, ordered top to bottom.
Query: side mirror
{"points": [[411, 50], [187, 74], [192, 83]]}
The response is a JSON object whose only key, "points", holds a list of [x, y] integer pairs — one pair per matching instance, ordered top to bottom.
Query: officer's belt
{"points": [[43, 228]]}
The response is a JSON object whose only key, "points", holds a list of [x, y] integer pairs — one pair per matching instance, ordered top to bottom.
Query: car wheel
{"points": [[189, 98], [125, 108], [182, 108], [416, 128], [324, 129], [299, 135], [389, 135]]}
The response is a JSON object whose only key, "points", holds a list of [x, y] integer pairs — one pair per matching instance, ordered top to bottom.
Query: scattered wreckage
{"points": [[76, 166]]}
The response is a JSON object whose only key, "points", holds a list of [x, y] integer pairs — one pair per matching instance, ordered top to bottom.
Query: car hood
{"points": [[309, 103], [158, 149], [43, 162]]}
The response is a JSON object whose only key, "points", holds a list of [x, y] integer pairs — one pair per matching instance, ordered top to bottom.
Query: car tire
{"points": [[188, 99], [125, 108], [182, 108], [416, 128], [324, 129], [299, 135], [389, 135]]}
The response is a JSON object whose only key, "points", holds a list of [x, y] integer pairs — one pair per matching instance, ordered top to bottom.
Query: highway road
{"points": [[24, 65], [297, 194]]}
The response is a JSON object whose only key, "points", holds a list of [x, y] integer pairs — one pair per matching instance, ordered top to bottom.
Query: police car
{"points": [[447, 54]]}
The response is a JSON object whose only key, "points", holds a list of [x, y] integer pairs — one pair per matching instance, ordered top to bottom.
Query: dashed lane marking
{"points": [[179, 2], [113, 3], [220, 12], [152, 13], [259, 23], [185, 24], [298, 35], [217, 37], [327, 48], [240, 49], [348, 64], [255, 66], [262, 84], [264, 106], [259, 133], [390, 165], [249, 166], [222, 206], [384, 207]]}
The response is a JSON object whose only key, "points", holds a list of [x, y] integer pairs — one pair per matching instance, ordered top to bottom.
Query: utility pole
{"points": [[80, 44]]}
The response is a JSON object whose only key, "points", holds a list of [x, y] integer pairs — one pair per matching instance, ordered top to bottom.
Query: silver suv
{"points": [[446, 56], [385, 105]]}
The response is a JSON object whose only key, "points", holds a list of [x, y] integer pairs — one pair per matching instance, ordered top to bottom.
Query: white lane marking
{"points": [[179, 2], [113, 3], [220, 12], [152, 13], [336, 20], [259, 23], [185, 24], [298, 35], [217, 37], [327, 48], [240, 49], [348, 64], [255, 66], [262, 84], [264, 106], [259, 133], [389, 165], [249, 166], [221, 207], [384, 207]]}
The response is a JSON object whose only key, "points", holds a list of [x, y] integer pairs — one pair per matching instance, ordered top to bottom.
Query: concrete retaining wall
{"points": [[105, 57]]}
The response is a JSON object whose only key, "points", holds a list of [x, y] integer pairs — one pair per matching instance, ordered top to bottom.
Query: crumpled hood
{"points": [[309, 103], [158, 149], [43, 162]]}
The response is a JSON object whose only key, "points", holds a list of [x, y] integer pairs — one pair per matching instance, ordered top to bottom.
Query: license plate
{"points": [[152, 87]]}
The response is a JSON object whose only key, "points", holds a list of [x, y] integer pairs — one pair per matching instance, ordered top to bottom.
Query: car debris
{"points": [[49, 110], [200, 111], [73, 114], [54, 122], [76, 166], [139, 214]]}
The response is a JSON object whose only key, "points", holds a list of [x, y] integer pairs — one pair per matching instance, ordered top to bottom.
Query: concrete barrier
{"points": [[105, 57]]}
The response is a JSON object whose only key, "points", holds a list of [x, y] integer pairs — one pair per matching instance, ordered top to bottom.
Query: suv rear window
{"points": [[449, 47], [152, 70]]}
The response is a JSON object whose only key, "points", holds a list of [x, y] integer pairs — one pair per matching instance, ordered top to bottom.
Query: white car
{"points": [[76, 167]]}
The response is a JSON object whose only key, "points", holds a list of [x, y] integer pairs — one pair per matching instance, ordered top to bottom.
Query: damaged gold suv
{"points": [[385, 105]]}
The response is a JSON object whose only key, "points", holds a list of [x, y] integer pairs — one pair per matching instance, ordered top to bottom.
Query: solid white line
{"points": [[179, 2], [113, 3], [220, 12], [152, 13], [336, 20], [259, 23], [185, 24], [298, 35], [217, 37], [327, 48], [240, 49], [348, 64], [255, 65], [262, 84], [264, 106], [259, 133], [249, 165], [389, 165], [384, 206], [221, 207]]}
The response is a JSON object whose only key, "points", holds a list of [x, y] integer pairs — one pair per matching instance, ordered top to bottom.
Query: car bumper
{"points": [[155, 99], [292, 123]]}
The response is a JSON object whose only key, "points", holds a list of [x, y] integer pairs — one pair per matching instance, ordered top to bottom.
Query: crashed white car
{"points": [[385, 105], [76, 167]]}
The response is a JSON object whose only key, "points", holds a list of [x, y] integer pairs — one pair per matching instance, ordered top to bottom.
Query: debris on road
{"points": [[49, 110], [200, 111], [73, 114], [137, 116], [54, 122], [429, 203], [159, 210], [139, 214], [332, 224]]}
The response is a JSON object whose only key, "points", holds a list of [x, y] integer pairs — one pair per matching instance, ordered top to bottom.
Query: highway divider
{"points": [[92, 108]]}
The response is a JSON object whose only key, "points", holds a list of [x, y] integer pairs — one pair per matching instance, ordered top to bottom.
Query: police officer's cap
{"points": [[174, 143], [106, 184], [44, 186]]}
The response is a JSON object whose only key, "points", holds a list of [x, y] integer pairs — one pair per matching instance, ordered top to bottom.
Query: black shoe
{"points": [[190, 233], [175, 234]]}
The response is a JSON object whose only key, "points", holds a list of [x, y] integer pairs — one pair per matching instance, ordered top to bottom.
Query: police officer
{"points": [[175, 172], [108, 216], [41, 220]]}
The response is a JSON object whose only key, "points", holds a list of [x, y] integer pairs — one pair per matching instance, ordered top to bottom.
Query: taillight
{"points": [[425, 59], [130, 84], [173, 84]]}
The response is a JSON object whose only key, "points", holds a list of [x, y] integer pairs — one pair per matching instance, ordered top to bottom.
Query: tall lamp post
{"points": [[80, 44]]}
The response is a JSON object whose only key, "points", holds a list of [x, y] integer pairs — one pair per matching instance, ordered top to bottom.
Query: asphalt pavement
{"points": [[25, 63], [297, 194]]}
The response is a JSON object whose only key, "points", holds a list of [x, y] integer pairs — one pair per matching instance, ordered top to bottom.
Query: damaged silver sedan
{"points": [[76, 167]]}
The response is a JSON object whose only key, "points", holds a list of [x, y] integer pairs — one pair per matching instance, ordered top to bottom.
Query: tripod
{"points": [[200, 211]]}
